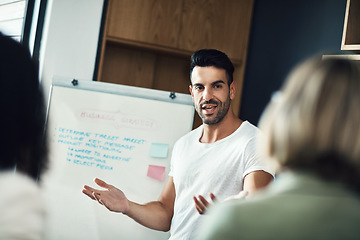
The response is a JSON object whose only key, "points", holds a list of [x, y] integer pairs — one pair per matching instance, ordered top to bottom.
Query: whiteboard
{"points": [[121, 134]]}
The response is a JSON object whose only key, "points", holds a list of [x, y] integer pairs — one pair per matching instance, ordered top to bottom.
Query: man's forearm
{"points": [[153, 215]]}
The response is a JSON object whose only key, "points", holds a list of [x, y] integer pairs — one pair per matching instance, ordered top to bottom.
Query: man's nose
{"points": [[207, 94]]}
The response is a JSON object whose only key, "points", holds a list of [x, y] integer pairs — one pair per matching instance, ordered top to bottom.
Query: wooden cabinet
{"points": [[147, 21], [217, 24], [351, 32], [148, 43]]}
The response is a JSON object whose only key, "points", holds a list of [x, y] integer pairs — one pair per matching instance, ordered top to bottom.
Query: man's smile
{"points": [[208, 107]]}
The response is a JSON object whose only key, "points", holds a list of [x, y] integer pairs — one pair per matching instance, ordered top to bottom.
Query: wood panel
{"points": [[151, 21], [224, 25], [351, 32], [128, 66], [172, 74], [238, 78]]}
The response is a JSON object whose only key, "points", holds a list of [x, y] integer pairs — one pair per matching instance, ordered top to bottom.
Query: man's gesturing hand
{"points": [[112, 198], [201, 204]]}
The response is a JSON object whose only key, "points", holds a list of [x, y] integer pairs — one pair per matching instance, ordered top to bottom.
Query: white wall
{"points": [[34, 25], [70, 40]]}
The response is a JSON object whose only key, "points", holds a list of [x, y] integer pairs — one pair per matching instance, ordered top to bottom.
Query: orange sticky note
{"points": [[156, 172]]}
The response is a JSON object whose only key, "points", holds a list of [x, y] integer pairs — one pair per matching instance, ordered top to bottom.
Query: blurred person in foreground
{"points": [[311, 130], [22, 145]]}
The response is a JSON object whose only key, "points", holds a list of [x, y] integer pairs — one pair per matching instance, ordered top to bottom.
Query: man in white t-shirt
{"points": [[216, 159]]}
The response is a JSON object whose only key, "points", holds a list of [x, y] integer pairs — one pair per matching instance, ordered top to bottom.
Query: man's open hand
{"points": [[112, 198], [201, 204]]}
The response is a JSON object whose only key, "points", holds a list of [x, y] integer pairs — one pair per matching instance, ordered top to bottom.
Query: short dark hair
{"points": [[215, 58], [22, 141]]}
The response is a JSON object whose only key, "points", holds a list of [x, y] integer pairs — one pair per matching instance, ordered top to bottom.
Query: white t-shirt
{"points": [[201, 168]]}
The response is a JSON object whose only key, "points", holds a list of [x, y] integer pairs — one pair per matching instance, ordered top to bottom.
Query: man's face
{"points": [[211, 93]]}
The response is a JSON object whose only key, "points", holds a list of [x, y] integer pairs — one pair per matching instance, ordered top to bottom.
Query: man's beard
{"points": [[223, 108]]}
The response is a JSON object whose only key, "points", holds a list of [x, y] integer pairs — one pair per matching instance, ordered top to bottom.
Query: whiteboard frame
{"points": [[130, 91]]}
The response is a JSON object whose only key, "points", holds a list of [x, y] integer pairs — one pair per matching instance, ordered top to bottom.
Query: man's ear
{"points": [[233, 87], [190, 90]]}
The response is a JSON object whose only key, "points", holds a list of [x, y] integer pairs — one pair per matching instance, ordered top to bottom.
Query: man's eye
{"points": [[217, 86], [199, 87]]}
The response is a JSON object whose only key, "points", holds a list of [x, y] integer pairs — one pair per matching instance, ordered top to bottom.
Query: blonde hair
{"points": [[315, 119]]}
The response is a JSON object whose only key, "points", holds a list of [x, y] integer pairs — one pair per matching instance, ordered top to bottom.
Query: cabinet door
{"points": [[148, 21], [220, 24], [351, 32], [128, 66]]}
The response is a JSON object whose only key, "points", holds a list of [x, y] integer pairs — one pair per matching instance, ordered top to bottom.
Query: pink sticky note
{"points": [[156, 172]]}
